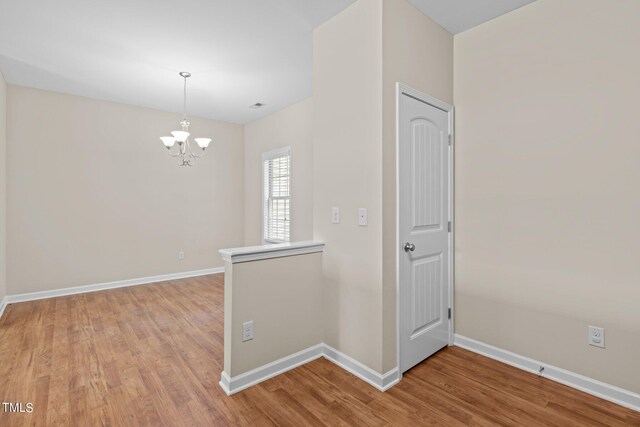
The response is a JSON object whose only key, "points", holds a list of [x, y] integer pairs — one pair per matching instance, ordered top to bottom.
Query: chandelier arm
{"points": [[171, 152], [192, 154], [185, 162]]}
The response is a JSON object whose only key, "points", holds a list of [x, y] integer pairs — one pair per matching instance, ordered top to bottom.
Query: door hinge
{"points": [[450, 139], [449, 227], [449, 312]]}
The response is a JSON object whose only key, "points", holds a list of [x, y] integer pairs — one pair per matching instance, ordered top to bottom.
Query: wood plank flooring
{"points": [[152, 355]]}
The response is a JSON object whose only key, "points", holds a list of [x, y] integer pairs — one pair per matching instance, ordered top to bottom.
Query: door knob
{"points": [[409, 247]]}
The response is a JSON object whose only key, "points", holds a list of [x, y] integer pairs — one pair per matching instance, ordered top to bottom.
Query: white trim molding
{"points": [[257, 253], [9, 299], [3, 305], [270, 370], [240, 382], [382, 382], [596, 388]]}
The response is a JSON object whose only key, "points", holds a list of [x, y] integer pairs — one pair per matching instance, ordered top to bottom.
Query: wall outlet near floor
{"points": [[181, 255], [247, 331], [596, 336]]}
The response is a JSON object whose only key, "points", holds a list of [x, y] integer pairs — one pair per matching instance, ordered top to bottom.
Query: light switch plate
{"points": [[335, 215], [362, 217], [247, 331]]}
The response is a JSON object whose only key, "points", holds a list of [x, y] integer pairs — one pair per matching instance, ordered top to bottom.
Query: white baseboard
{"points": [[10, 299], [3, 305], [280, 366], [270, 370], [380, 381], [225, 384], [597, 388]]}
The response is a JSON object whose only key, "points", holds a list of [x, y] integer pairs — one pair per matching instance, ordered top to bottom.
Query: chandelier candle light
{"points": [[185, 155]]}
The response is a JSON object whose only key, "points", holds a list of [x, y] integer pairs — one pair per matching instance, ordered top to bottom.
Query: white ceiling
{"points": [[457, 16], [239, 51]]}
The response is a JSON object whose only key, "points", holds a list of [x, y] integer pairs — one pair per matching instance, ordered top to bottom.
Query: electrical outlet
{"points": [[335, 215], [181, 255], [247, 331], [596, 336]]}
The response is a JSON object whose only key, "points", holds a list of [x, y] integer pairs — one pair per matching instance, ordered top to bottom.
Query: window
{"points": [[276, 196]]}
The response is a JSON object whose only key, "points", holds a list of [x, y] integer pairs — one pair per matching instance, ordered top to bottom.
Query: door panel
{"points": [[425, 175], [424, 214], [426, 311]]}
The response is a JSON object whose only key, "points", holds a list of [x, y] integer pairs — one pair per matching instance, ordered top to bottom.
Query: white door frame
{"points": [[449, 109]]}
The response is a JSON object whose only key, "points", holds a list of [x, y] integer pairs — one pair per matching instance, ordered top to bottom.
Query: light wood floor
{"points": [[152, 355]]}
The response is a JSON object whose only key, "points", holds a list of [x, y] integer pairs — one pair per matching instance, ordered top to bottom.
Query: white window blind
{"points": [[276, 169]]}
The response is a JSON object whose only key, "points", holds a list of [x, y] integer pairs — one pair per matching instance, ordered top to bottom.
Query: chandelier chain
{"points": [[184, 103]]}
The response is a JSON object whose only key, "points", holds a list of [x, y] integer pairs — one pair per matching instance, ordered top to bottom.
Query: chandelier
{"points": [[185, 154]]}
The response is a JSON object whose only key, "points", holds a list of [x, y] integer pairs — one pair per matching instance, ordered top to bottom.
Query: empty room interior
{"points": [[319, 212]]}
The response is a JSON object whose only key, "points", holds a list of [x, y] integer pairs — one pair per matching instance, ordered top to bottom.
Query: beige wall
{"points": [[419, 53], [358, 57], [292, 126], [347, 166], [3, 188], [93, 196], [547, 196], [283, 297]]}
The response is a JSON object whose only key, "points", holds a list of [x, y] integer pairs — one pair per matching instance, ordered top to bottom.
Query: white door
{"points": [[424, 214]]}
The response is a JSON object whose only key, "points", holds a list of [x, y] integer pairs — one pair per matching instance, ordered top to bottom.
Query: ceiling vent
{"points": [[256, 105]]}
